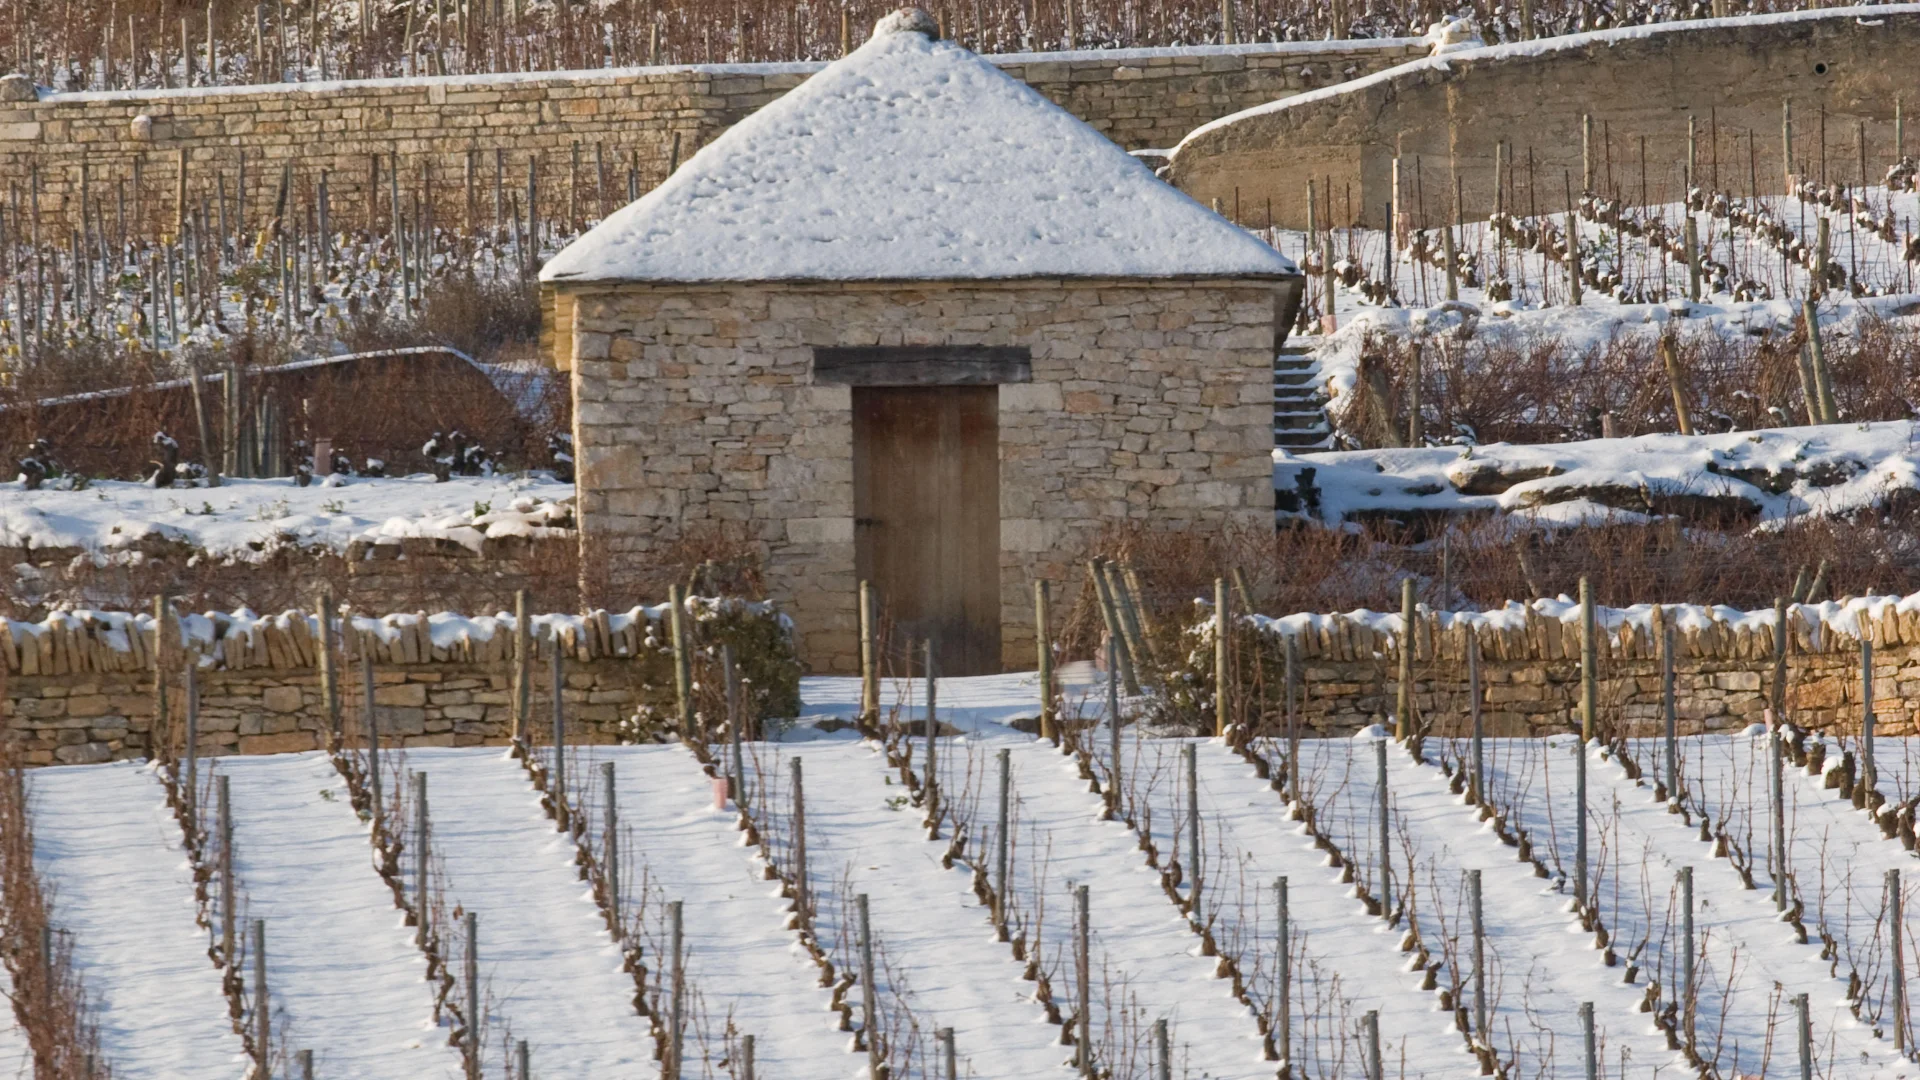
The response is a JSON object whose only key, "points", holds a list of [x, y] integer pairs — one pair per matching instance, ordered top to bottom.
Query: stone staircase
{"points": [[1299, 405]]}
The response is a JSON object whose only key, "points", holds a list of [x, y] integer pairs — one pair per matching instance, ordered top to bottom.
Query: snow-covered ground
{"points": [[1741, 477], [246, 519], [123, 895], [345, 977], [349, 983]]}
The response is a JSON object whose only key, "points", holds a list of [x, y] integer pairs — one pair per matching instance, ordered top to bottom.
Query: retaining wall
{"points": [[1732, 75], [1142, 98], [1530, 667], [82, 687]]}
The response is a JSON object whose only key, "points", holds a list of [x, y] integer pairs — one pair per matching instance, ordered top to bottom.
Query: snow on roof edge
{"points": [[1541, 47]]}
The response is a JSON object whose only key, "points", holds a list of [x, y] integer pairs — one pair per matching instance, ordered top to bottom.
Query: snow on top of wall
{"points": [[1543, 46], [912, 159], [1820, 627], [244, 639]]}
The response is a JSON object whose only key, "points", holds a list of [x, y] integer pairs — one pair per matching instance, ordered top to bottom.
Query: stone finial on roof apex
{"points": [[907, 20]]}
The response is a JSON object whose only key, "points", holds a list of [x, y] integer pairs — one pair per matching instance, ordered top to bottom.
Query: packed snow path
{"points": [[123, 893], [744, 965], [551, 970], [346, 979]]}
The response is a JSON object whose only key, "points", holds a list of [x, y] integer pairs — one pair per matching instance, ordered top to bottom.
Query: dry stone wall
{"points": [[1833, 66], [1142, 98], [1530, 667], [82, 687]]}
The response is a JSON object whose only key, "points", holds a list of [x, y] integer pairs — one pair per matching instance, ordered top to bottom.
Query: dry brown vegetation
{"points": [[513, 36], [1543, 390], [383, 409], [1484, 565], [47, 999]]}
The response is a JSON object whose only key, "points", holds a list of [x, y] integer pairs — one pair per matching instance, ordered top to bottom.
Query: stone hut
{"points": [[914, 324]]}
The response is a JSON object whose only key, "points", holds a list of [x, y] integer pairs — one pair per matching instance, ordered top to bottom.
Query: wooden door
{"points": [[926, 504]]}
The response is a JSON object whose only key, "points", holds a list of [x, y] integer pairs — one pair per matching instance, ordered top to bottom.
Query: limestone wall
{"points": [[1732, 75], [1142, 98], [695, 412], [1530, 668], [82, 687]]}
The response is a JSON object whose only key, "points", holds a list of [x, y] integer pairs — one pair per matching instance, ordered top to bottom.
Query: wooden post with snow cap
{"points": [[1691, 239], [1573, 258], [1817, 359], [1676, 383], [1110, 616], [1043, 646], [1290, 653], [869, 661], [682, 663], [522, 672], [1222, 672], [329, 676], [1403, 697], [1589, 704], [1669, 713], [370, 716], [162, 719], [1113, 730], [735, 737], [191, 752], [1003, 760], [1190, 761], [1869, 768], [557, 771], [932, 786], [1477, 789], [1776, 806], [224, 824], [610, 846], [422, 858], [1385, 883], [801, 905], [1477, 912], [1896, 932], [1689, 955], [470, 976], [1083, 982], [869, 990], [262, 1005], [677, 1009], [1283, 1015], [1804, 1022], [1370, 1038], [1589, 1050]]}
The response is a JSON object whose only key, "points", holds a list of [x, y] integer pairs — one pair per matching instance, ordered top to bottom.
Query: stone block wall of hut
{"points": [[695, 411]]}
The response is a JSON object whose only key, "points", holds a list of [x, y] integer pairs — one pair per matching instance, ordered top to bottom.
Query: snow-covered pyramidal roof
{"points": [[912, 159]]}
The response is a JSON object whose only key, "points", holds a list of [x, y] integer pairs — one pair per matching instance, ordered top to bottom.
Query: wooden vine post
{"points": [[1043, 646], [682, 666], [1222, 672], [1403, 704]]}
